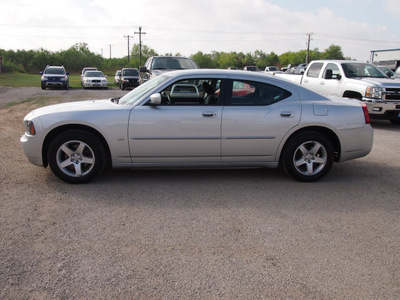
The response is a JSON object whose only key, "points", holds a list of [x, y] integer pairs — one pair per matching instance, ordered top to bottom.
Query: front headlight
{"points": [[373, 92], [29, 128]]}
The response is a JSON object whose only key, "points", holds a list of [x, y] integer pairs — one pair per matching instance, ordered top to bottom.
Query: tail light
{"points": [[366, 114]]}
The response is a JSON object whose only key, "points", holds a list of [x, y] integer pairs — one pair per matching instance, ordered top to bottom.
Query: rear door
{"points": [[312, 79], [255, 119]]}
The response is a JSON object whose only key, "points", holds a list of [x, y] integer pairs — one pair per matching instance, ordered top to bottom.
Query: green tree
{"points": [[333, 52], [135, 55], [203, 60]]}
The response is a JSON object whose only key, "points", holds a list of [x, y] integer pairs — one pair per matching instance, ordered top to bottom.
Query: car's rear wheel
{"points": [[76, 156], [308, 156]]}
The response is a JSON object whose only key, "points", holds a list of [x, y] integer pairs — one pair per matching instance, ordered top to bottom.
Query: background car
{"points": [[156, 65], [251, 68], [87, 69], [389, 73], [397, 73], [54, 76], [117, 77], [129, 78], [94, 79], [198, 119]]}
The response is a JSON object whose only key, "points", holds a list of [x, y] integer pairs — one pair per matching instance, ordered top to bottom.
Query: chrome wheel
{"points": [[75, 158], [310, 158]]}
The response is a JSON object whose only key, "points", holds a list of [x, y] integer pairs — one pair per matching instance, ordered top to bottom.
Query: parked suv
{"points": [[157, 65], [54, 76], [129, 78]]}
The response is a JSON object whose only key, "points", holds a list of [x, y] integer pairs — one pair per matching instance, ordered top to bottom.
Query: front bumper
{"points": [[130, 83], [95, 84], [383, 110], [32, 149]]}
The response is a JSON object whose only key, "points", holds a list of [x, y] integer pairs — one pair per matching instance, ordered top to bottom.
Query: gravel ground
{"points": [[196, 234]]}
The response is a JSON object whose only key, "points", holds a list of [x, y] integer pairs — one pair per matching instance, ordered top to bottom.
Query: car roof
{"points": [[338, 61]]}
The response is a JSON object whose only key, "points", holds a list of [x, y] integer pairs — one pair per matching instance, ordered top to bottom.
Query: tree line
{"points": [[79, 56]]}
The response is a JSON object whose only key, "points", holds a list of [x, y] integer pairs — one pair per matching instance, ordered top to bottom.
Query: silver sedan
{"points": [[198, 119]]}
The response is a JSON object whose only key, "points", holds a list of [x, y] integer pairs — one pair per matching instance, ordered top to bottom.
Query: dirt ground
{"points": [[196, 234]]}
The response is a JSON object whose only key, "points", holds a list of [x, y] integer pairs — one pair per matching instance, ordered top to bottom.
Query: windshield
{"points": [[173, 63], [352, 70], [59, 71], [130, 72], [94, 74], [132, 97]]}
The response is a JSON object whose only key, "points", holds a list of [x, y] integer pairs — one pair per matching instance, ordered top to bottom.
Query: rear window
{"points": [[314, 69], [256, 93]]}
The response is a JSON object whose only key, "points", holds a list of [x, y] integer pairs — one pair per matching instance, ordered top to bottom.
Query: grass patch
{"points": [[19, 80], [33, 80], [38, 100]]}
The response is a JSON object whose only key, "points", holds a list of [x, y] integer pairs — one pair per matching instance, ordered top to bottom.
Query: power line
{"points": [[128, 37], [140, 44], [308, 46]]}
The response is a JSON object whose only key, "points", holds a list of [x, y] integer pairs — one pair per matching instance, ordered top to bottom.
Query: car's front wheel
{"points": [[76, 156], [308, 156]]}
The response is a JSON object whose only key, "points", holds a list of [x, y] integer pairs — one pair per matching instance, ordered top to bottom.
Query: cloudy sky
{"points": [[187, 26]]}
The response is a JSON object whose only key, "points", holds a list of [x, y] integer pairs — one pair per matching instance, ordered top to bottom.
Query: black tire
{"points": [[43, 85], [122, 87], [76, 156], [308, 156]]}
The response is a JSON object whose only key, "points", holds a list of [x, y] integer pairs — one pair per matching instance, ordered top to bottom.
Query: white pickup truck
{"points": [[353, 79]]}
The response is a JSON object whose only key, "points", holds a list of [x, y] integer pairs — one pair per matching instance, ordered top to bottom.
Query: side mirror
{"points": [[143, 69], [41, 73], [67, 73], [328, 74], [155, 99]]}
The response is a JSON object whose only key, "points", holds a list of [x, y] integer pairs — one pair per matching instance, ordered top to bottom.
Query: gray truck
{"points": [[157, 65], [351, 79]]}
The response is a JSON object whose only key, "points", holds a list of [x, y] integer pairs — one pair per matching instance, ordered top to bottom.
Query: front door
{"points": [[183, 129]]}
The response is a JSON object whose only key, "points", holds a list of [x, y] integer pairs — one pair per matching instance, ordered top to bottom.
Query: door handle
{"points": [[322, 83], [209, 114], [287, 114]]}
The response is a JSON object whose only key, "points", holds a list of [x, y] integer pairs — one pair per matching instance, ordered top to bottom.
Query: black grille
{"points": [[96, 80], [392, 94]]}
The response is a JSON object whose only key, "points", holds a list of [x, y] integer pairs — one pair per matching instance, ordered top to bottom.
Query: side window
{"points": [[314, 69], [335, 71], [192, 92], [256, 93]]}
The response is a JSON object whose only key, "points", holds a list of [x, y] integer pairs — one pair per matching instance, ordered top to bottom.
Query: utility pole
{"points": [[128, 37], [140, 44], [308, 46], [110, 51]]}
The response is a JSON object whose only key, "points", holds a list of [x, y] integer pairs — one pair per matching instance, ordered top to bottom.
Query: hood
{"points": [[384, 82], [88, 105]]}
